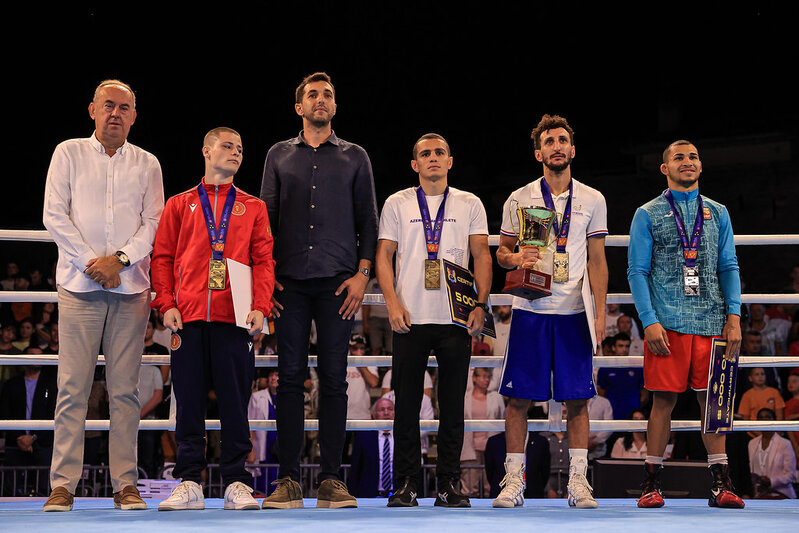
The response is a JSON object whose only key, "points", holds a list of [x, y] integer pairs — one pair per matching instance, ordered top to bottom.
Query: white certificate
{"points": [[240, 276]]}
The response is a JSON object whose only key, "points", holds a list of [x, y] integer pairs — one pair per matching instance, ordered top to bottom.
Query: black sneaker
{"points": [[405, 495], [449, 496]]}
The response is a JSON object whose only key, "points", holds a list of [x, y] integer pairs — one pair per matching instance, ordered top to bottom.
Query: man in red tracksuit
{"points": [[199, 230]]}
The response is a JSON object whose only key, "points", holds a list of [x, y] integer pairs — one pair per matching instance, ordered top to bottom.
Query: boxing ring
{"points": [[545, 514]]}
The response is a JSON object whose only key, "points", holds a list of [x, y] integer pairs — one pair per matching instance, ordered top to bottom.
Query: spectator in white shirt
{"points": [[103, 199]]}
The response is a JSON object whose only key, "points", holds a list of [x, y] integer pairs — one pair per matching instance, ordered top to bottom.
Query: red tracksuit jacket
{"points": [[182, 250]]}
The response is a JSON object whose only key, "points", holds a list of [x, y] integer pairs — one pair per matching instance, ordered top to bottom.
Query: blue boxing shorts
{"points": [[548, 356]]}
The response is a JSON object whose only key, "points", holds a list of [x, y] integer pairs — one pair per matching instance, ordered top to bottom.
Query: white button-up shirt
{"points": [[95, 205]]}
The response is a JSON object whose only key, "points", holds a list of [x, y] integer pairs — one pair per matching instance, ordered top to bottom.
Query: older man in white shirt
{"points": [[103, 200]]}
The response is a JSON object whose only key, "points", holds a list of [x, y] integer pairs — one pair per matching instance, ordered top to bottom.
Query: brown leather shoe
{"points": [[128, 499], [60, 500]]}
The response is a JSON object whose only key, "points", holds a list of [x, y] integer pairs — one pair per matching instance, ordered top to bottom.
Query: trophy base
{"points": [[528, 284]]}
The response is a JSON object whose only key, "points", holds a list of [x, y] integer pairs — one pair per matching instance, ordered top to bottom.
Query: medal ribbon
{"points": [[432, 230], [562, 233], [216, 235], [690, 249]]}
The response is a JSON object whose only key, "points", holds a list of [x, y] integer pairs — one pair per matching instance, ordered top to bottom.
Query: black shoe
{"points": [[405, 495], [449, 496]]}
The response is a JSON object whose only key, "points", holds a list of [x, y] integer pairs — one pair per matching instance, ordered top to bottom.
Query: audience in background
{"points": [[764, 394]]}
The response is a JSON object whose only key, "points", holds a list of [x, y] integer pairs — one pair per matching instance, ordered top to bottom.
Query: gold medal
{"points": [[560, 267], [216, 274], [432, 274]]}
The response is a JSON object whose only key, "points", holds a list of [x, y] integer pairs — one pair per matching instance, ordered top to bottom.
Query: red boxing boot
{"points": [[721, 494], [651, 496]]}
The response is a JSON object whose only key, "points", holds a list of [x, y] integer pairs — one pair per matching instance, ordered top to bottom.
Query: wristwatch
{"points": [[123, 258], [364, 271], [483, 306]]}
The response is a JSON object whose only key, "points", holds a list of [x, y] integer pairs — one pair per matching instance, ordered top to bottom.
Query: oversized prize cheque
{"points": [[463, 297], [722, 380]]}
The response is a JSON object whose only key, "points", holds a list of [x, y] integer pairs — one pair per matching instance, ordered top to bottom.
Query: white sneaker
{"points": [[512, 484], [580, 492], [187, 495], [238, 497]]}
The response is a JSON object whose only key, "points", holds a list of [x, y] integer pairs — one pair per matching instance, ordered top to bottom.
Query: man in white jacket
{"points": [[772, 462]]}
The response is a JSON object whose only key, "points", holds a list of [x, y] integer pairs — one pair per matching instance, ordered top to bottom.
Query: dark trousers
{"points": [[303, 301], [452, 347], [219, 356]]}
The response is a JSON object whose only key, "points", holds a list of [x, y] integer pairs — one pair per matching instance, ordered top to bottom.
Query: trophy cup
{"points": [[534, 224]]}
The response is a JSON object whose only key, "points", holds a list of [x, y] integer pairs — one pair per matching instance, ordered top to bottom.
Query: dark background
{"points": [[629, 78]]}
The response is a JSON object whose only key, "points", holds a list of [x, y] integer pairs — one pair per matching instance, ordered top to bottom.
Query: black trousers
{"points": [[304, 301], [452, 347], [219, 356]]}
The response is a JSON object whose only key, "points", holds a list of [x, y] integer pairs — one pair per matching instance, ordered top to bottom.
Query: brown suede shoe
{"points": [[333, 494], [128, 499], [60, 500]]}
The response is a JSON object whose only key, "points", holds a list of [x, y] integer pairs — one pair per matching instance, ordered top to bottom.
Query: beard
{"points": [[318, 121], [558, 167]]}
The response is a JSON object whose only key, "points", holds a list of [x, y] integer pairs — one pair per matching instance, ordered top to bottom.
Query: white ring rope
{"points": [[493, 240], [377, 299], [485, 361], [425, 425]]}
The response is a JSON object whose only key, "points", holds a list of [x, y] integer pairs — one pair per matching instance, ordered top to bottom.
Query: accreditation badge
{"points": [[560, 267], [216, 274], [432, 274], [690, 276]]}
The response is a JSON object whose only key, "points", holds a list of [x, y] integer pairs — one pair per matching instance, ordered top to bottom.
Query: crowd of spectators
{"points": [[765, 463]]}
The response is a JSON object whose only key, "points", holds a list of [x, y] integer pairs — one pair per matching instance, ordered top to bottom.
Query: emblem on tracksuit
{"points": [[239, 208], [175, 341]]}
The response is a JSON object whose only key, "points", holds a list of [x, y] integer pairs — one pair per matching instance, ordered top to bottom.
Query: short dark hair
{"points": [[310, 78], [550, 122], [427, 136], [211, 137], [667, 151], [621, 337], [768, 411]]}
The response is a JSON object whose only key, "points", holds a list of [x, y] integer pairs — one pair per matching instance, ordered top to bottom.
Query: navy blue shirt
{"points": [[322, 207], [623, 388]]}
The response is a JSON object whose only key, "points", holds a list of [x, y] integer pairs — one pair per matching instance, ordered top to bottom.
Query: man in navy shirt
{"points": [[319, 192], [622, 386]]}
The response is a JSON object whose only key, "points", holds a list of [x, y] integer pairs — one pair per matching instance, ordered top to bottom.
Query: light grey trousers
{"points": [[87, 321]]}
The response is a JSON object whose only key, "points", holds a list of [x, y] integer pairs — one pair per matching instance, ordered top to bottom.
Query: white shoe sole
{"points": [[506, 504], [592, 504], [193, 506], [231, 506], [56, 508]]}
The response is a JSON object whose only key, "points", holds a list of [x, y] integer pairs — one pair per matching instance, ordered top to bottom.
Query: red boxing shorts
{"points": [[687, 364]]}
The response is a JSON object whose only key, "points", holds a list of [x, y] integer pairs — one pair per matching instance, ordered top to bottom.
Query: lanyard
{"points": [[432, 230], [562, 233], [216, 235], [690, 249]]}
